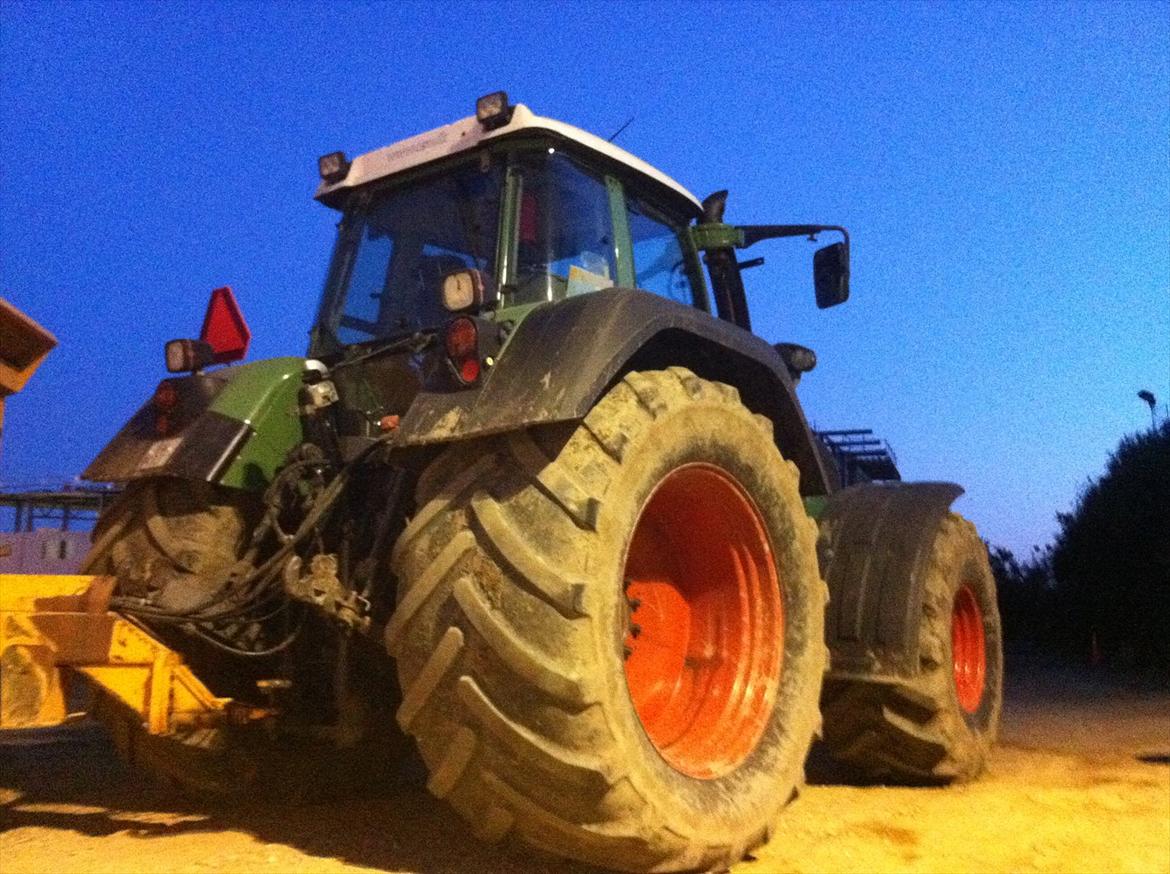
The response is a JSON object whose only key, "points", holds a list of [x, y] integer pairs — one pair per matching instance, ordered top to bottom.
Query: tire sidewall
{"points": [[747, 797]]}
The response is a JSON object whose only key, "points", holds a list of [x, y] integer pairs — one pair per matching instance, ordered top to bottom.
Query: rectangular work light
{"points": [[492, 110], [333, 167]]}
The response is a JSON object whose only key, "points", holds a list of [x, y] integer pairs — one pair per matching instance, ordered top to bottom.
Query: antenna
{"points": [[620, 129]]}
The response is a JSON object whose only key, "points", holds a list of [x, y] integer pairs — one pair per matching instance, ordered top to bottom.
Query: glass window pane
{"points": [[565, 234], [406, 242], [659, 263], [367, 281]]}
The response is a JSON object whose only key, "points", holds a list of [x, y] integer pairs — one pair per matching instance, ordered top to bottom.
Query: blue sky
{"points": [[1003, 169]]}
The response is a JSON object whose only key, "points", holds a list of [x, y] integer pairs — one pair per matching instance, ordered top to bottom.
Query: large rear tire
{"points": [[610, 635], [939, 726]]}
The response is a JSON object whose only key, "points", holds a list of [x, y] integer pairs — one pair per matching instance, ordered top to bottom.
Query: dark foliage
{"points": [[1111, 559], [1101, 592], [1026, 595]]}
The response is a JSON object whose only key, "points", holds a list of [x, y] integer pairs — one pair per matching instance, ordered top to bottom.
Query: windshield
{"points": [[394, 250]]}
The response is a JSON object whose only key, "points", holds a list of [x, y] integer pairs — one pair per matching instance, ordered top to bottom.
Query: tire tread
{"points": [[509, 726]]}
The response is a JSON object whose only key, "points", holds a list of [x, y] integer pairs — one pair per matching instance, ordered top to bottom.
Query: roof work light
{"points": [[493, 111], [333, 167]]}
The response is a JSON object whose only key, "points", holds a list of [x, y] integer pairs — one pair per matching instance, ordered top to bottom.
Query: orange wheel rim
{"points": [[705, 640], [969, 648]]}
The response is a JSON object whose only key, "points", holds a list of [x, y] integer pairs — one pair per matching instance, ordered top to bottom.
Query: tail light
{"points": [[461, 340], [166, 398]]}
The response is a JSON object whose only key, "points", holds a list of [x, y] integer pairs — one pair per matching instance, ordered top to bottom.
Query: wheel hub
{"points": [[705, 638], [968, 646]]}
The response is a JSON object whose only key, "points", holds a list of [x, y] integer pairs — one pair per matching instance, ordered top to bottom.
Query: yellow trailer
{"points": [[23, 346], [57, 629]]}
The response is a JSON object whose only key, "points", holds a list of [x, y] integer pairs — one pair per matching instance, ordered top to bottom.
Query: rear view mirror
{"points": [[830, 263], [831, 274]]}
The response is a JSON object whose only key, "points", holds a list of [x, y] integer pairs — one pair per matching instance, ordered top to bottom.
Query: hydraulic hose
{"points": [[255, 582]]}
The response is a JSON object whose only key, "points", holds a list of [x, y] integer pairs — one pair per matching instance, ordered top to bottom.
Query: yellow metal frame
{"points": [[23, 346], [51, 625]]}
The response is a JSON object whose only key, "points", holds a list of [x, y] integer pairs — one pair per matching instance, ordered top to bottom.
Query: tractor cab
{"points": [[506, 210], [493, 213]]}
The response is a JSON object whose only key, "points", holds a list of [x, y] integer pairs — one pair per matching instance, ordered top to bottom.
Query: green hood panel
{"points": [[263, 395], [233, 426]]}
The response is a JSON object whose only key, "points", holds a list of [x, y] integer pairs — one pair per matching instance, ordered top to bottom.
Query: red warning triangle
{"points": [[224, 328]]}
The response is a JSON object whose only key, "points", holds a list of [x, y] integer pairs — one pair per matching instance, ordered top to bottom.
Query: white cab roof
{"points": [[467, 133]]}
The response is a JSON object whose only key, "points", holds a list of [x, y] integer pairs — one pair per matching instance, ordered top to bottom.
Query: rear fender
{"points": [[564, 356], [233, 426], [875, 539]]}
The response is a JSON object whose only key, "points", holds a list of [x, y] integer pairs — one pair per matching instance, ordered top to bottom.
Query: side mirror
{"points": [[830, 263], [831, 274]]}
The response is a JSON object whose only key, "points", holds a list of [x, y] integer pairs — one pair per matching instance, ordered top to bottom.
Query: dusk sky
{"points": [[1003, 170]]}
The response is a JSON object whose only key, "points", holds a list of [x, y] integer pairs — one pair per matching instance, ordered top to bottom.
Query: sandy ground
{"points": [[1080, 783]]}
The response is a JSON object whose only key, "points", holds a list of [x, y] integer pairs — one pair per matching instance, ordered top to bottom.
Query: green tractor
{"points": [[539, 496]]}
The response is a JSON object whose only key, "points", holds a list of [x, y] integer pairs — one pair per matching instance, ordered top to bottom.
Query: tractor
{"points": [[538, 499]]}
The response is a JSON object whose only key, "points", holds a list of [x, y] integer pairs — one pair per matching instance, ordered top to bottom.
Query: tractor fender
{"points": [[562, 357], [234, 426], [874, 541]]}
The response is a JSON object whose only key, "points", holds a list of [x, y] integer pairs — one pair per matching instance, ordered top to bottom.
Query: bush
{"points": [[1111, 559], [1026, 594]]}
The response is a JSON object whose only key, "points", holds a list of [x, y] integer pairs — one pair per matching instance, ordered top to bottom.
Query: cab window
{"points": [[564, 233], [394, 252], [660, 265]]}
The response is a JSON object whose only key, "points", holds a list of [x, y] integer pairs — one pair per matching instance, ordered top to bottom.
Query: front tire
{"points": [[610, 635]]}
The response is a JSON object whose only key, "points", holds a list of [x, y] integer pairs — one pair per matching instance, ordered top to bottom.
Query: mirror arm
{"points": [[753, 234]]}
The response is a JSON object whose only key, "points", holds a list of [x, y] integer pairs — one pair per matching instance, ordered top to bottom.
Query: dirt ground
{"points": [[1080, 783]]}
